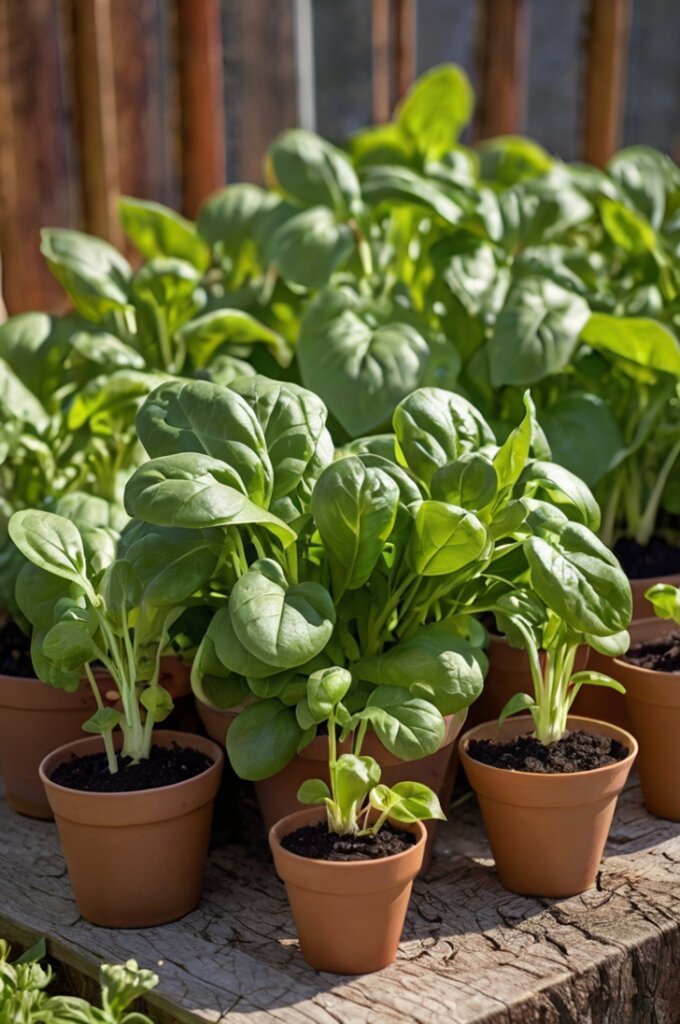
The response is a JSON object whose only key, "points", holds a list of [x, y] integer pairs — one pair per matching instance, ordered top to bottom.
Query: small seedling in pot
{"points": [[666, 601], [356, 801]]}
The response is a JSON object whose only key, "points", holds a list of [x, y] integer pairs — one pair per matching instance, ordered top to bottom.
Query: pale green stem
{"points": [[645, 527], [106, 736]]}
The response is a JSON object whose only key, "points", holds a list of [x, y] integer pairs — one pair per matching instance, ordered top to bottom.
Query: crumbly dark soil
{"points": [[639, 562], [15, 652], [662, 655], [575, 752], [165, 767], [317, 842]]}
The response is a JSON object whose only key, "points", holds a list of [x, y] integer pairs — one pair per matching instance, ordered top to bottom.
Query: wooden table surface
{"points": [[471, 951]]}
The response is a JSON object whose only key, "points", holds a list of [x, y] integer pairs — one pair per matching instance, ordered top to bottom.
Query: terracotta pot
{"points": [[642, 609], [508, 674], [653, 700], [601, 703], [34, 719], [216, 721], [277, 796], [547, 832], [113, 843], [349, 916]]}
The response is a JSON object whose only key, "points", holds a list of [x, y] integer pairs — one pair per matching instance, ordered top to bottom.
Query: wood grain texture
{"points": [[199, 40], [405, 45], [381, 60], [501, 67], [605, 77], [96, 115], [38, 169], [471, 951]]}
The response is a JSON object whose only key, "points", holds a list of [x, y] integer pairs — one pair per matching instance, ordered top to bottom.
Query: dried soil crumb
{"points": [[574, 752], [317, 842]]}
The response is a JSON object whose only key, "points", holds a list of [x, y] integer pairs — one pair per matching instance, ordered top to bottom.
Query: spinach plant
{"points": [[666, 601], [88, 607], [355, 790], [24, 998]]}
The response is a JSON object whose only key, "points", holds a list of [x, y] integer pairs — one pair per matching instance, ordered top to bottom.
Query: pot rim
{"points": [[651, 580], [665, 626], [218, 760], [552, 778], [317, 809]]}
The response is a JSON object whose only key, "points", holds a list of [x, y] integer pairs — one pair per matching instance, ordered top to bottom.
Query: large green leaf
{"points": [[435, 110], [312, 172], [389, 184], [157, 230], [310, 247], [94, 274], [536, 332], [205, 335], [637, 339], [583, 434], [354, 507], [445, 539], [51, 542], [281, 624], [408, 726], [263, 739]]}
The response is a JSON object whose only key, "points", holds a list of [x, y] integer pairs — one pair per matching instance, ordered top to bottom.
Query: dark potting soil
{"points": [[639, 562], [15, 652], [662, 655], [575, 752], [165, 767], [317, 842]]}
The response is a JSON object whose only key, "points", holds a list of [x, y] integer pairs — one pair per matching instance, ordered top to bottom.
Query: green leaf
{"points": [[435, 110], [508, 159], [312, 172], [392, 185], [228, 217], [627, 228], [157, 230], [310, 247], [94, 274], [536, 332], [205, 335], [637, 339], [361, 370], [583, 434], [511, 458], [471, 482], [549, 482], [355, 508], [445, 539], [52, 543], [120, 590], [666, 601], [280, 624], [69, 644], [434, 664], [590, 678], [325, 689], [157, 702], [519, 702], [103, 721], [409, 727], [263, 739], [354, 778], [313, 791], [413, 801], [123, 983]]}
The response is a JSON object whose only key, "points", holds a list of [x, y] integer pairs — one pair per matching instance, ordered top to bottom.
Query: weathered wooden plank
{"points": [[199, 34], [405, 44], [381, 62], [501, 67], [605, 77], [261, 81], [96, 109], [38, 175], [471, 953]]}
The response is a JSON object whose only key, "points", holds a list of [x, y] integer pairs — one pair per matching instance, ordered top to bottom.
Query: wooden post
{"points": [[199, 30], [405, 44], [501, 60], [381, 64], [605, 77], [96, 106]]}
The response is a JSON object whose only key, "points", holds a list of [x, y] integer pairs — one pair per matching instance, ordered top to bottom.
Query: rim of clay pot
{"points": [[649, 581], [32, 694], [95, 745], [553, 778], [284, 826]]}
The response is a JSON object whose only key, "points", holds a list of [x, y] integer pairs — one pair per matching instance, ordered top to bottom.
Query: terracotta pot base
{"points": [[547, 832], [135, 859], [349, 916]]}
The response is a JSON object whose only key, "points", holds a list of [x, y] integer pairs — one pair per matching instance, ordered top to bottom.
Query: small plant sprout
{"points": [[666, 601], [84, 614], [551, 645], [355, 794]]}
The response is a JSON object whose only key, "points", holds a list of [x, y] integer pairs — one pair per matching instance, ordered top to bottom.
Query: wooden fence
{"points": [[152, 97]]}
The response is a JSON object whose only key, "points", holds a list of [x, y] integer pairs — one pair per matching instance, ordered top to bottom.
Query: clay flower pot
{"points": [[642, 609], [508, 674], [653, 700], [34, 719], [216, 721], [547, 832], [113, 843], [349, 916]]}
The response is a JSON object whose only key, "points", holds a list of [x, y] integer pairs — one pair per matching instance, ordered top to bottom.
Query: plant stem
{"points": [[106, 736]]}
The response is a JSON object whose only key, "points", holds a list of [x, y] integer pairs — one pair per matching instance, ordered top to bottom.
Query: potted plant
{"points": [[650, 671], [550, 781], [120, 797], [365, 853]]}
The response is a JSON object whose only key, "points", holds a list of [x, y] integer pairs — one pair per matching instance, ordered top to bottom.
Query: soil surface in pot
{"points": [[642, 561], [15, 652], [662, 655], [574, 752], [165, 767], [317, 842]]}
